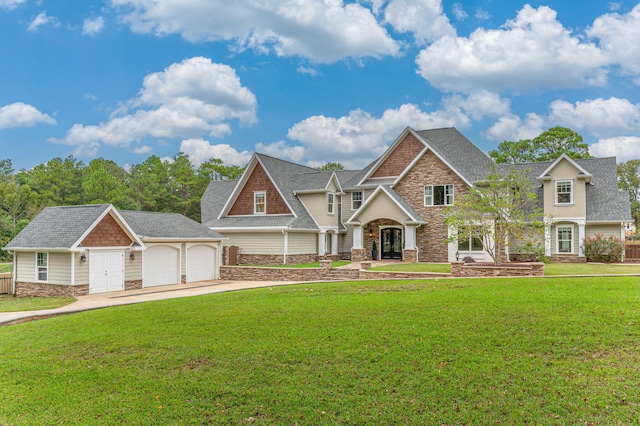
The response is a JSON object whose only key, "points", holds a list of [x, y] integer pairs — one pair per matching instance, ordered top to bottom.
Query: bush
{"points": [[603, 249]]}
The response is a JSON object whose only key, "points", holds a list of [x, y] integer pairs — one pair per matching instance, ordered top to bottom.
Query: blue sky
{"points": [[310, 81]]}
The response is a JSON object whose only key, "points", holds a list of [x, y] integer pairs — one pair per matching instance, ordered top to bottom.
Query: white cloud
{"points": [[11, 4], [459, 12], [482, 15], [424, 18], [41, 20], [93, 26], [323, 31], [619, 35], [530, 52], [307, 71], [187, 99], [480, 104], [20, 114], [601, 117], [513, 128], [359, 137], [624, 148], [144, 149], [200, 150], [281, 150]]}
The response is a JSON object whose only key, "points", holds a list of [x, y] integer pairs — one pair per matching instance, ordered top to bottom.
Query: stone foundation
{"points": [[567, 258], [273, 259], [461, 269], [253, 273], [133, 285], [28, 289]]}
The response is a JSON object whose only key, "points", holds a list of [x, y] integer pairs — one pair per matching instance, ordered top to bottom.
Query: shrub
{"points": [[603, 249]]}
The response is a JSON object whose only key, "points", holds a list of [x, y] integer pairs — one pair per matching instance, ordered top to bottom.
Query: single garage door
{"points": [[201, 263], [161, 266], [106, 271]]}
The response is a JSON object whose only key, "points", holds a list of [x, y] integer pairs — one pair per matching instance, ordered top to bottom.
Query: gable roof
{"points": [[582, 171], [413, 215], [64, 227]]}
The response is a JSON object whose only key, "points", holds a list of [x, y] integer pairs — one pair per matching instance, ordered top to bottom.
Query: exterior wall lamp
{"points": [[132, 256]]}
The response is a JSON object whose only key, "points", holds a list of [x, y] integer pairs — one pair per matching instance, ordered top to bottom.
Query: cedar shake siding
{"points": [[400, 158], [430, 170], [259, 181], [107, 233]]}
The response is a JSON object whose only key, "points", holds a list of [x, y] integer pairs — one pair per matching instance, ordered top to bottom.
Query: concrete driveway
{"points": [[103, 300]]}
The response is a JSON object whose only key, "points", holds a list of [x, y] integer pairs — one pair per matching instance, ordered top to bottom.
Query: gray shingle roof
{"points": [[458, 151], [167, 225], [57, 227]]}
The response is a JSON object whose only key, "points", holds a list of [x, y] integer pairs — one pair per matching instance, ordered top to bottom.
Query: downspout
{"points": [[286, 246], [13, 274]]}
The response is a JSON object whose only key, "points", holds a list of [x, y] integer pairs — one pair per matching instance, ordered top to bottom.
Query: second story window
{"points": [[564, 192], [438, 195], [356, 200], [259, 202], [330, 203]]}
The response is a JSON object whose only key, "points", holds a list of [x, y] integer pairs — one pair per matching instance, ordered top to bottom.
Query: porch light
{"points": [[370, 232], [132, 256], [457, 256], [83, 258]]}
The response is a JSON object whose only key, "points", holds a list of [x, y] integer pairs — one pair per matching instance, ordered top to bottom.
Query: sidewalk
{"points": [[103, 300]]}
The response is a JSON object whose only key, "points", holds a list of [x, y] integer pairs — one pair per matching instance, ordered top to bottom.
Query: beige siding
{"points": [[564, 170], [316, 205], [382, 207], [605, 230], [257, 242], [303, 243], [183, 259], [25, 267], [59, 268], [132, 269], [82, 270]]}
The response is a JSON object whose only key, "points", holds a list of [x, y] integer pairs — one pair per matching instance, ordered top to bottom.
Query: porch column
{"points": [[581, 234], [357, 237], [547, 238], [334, 243], [322, 249]]}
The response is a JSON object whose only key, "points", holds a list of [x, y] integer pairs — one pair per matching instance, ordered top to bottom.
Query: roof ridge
{"points": [[285, 161]]}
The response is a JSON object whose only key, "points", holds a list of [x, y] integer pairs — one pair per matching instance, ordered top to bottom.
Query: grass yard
{"points": [[334, 264], [6, 267], [444, 268], [549, 268], [16, 304], [508, 351]]}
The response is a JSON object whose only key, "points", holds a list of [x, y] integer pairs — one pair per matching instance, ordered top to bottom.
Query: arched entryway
{"points": [[391, 243]]}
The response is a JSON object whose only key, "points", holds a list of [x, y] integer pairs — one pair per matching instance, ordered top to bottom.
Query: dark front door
{"points": [[391, 243]]}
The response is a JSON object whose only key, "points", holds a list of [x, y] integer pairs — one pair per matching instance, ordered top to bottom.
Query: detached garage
{"points": [[77, 250]]}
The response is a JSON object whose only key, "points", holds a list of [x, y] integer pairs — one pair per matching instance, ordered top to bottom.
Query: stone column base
{"points": [[357, 255], [409, 255]]}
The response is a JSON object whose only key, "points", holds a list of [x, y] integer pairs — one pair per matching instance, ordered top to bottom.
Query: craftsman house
{"points": [[280, 212], [76, 250]]}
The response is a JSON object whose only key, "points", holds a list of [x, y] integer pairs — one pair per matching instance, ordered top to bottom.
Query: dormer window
{"points": [[564, 192], [260, 202]]}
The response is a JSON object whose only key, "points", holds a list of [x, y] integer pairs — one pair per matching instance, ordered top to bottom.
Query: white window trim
{"points": [[447, 196], [361, 199], [255, 203], [558, 203], [331, 205], [558, 239], [38, 267]]}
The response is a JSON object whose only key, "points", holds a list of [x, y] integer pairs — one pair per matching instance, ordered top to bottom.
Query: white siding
{"points": [[257, 242], [303, 243], [26, 267], [82, 270]]}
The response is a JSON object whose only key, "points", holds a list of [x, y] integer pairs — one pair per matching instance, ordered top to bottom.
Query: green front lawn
{"points": [[6, 267], [415, 267], [16, 304], [508, 351]]}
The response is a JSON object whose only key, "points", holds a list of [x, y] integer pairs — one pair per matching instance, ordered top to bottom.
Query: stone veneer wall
{"points": [[430, 238], [567, 258], [274, 259], [461, 269], [252, 273], [133, 285], [29, 289]]}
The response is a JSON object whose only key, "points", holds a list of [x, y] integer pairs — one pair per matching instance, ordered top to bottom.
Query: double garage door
{"points": [[162, 264]]}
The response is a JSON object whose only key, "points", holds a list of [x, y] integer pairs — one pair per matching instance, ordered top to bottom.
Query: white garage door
{"points": [[201, 263], [161, 266], [106, 271]]}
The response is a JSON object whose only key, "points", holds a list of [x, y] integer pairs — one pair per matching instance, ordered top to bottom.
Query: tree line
{"points": [[158, 185]]}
